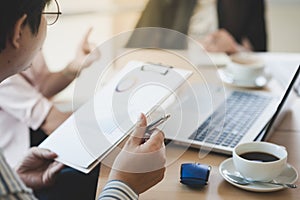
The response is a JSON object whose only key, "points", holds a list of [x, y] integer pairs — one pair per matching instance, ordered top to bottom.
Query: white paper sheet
{"points": [[85, 138]]}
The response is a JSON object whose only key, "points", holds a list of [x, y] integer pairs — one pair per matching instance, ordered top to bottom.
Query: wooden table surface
{"points": [[288, 135], [217, 188]]}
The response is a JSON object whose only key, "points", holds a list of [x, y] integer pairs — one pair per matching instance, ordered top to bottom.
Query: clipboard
{"points": [[100, 124]]}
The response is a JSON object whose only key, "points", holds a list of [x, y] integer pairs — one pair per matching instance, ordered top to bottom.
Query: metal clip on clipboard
{"points": [[156, 67]]}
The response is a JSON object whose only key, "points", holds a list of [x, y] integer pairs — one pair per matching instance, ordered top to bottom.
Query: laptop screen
{"points": [[281, 109]]}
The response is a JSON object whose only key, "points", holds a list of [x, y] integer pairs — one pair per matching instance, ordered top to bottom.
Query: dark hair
{"points": [[12, 10]]}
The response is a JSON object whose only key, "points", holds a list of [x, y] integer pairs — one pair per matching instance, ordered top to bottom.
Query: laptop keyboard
{"points": [[237, 115]]}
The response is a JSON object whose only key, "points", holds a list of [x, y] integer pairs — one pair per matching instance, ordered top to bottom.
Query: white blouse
{"points": [[204, 19], [21, 107]]}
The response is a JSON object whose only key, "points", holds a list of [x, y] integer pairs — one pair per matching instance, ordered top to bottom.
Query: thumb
{"points": [[138, 134], [156, 141], [55, 168], [50, 174]]}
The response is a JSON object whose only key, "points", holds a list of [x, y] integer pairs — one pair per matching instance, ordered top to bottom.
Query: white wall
{"points": [[82, 6], [283, 24]]}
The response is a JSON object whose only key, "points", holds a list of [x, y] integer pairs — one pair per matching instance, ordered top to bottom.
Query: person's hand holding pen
{"points": [[153, 126], [141, 164]]}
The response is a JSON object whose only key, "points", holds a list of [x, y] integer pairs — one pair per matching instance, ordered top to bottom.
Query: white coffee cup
{"points": [[245, 67], [255, 168]]}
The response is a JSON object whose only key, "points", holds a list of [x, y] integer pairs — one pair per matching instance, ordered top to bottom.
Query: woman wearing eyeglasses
{"points": [[27, 116]]}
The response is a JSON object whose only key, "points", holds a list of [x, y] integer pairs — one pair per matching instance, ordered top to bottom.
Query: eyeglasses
{"points": [[52, 12]]}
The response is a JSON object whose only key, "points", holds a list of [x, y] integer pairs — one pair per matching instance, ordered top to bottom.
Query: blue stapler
{"points": [[194, 174]]}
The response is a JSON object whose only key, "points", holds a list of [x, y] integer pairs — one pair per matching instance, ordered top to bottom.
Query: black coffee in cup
{"points": [[259, 156], [260, 161]]}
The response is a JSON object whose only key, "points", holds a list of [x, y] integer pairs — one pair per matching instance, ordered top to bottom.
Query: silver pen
{"points": [[151, 127]]}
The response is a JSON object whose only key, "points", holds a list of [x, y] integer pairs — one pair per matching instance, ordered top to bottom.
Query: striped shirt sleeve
{"points": [[11, 186], [117, 190]]}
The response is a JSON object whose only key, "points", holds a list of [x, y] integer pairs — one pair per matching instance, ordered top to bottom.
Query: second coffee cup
{"points": [[245, 67]]}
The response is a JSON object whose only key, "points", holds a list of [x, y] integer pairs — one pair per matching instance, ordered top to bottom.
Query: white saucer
{"points": [[259, 82], [289, 175]]}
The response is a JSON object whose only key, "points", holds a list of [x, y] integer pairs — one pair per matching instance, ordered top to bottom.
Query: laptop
{"points": [[243, 116]]}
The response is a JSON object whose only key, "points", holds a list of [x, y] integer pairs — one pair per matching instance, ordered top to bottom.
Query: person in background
{"points": [[227, 26], [22, 37]]}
